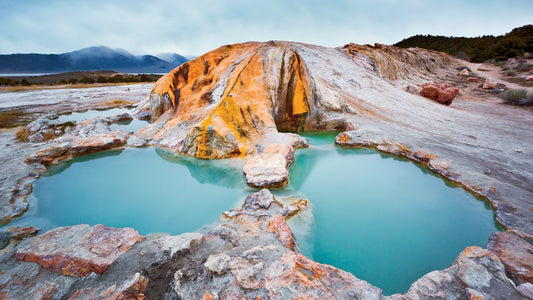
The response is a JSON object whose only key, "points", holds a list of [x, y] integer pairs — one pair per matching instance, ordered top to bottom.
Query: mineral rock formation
{"points": [[442, 93], [225, 102], [89, 136], [515, 249], [79, 250], [476, 274]]}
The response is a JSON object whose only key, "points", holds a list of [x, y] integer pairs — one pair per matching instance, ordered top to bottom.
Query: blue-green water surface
{"points": [[147, 189], [386, 220]]}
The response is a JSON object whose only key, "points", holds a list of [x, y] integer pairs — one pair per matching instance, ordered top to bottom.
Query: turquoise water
{"points": [[147, 189], [386, 220]]}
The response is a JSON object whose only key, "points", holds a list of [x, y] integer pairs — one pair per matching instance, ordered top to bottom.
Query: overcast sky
{"points": [[197, 26]]}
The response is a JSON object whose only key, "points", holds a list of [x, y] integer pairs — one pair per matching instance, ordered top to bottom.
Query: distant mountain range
{"points": [[90, 59]]}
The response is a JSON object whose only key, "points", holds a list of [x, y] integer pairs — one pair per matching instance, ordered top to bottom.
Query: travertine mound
{"points": [[236, 100]]}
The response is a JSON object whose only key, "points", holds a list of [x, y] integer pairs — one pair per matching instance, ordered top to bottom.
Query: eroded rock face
{"points": [[442, 93], [225, 102], [515, 249], [79, 250]]}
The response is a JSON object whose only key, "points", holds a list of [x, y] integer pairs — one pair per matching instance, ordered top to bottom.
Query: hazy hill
{"points": [[477, 49], [172, 58], [88, 59]]}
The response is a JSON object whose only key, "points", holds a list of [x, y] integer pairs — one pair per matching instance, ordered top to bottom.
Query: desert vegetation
{"points": [[82, 77], [517, 97]]}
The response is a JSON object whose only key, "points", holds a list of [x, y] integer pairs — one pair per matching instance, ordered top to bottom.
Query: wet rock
{"points": [[489, 84], [442, 93], [356, 139], [49, 155], [423, 156], [266, 170], [19, 233], [515, 249], [79, 250], [476, 274]]}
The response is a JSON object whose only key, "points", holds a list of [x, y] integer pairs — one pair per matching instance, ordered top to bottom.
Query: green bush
{"points": [[506, 68], [510, 73], [101, 79], [72, 80], [87, 80], [25, 82], [517, 97]]}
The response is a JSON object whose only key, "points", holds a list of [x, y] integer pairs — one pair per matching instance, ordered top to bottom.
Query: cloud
{"points": [[195, 27]]}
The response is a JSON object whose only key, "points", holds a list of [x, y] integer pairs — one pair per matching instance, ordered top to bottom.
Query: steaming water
{"points": [[386, 220]]}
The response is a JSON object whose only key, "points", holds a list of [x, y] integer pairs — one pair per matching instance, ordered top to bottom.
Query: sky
{"points": [[198, 26]]}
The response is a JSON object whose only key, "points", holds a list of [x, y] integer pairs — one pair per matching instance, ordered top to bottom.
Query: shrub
{"points": [[506, 68], [510, 73], [101, 79], [72, 80], [86, 80], [25, 82], [517, 97]]}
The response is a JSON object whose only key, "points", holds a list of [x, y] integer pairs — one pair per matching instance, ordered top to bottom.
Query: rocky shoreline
{"points": [[214, 107]]}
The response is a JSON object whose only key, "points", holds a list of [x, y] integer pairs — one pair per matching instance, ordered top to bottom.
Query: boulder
{"points": [[529, 78], [472, 79], [489, 84], [442, 93], [285, 150], [266, 170], [515, 249], [79, 250], [476, 274]]}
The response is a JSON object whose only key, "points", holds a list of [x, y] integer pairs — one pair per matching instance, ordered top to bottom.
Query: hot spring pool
{"points": [[384, 219]]}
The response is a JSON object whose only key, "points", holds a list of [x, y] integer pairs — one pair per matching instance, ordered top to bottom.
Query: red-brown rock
{"points": [[472, 79], [442, 93], [279, 226], [515, 249], [79, 250], [130, 289]]}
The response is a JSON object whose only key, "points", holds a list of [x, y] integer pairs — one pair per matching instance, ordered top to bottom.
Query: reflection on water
{"points": [[135, 188], [380, 217], [383, 218]]}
